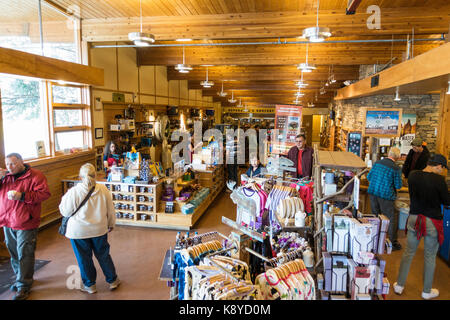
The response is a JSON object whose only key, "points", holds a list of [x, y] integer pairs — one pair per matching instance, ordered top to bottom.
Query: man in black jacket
{"points": [[417, 157]]}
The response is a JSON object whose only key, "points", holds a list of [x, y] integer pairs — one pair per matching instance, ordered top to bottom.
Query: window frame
{"points": [[84, 107]]}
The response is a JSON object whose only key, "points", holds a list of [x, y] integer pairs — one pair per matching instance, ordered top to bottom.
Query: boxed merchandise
{"points": [[115, 127], [329, 189], [187, 208], [375, 222], [328, 223], [384, 226], [341, 233], [360, 240], [327, 265], [378, 266], [339, 273], [361, 279], [386, 286]]}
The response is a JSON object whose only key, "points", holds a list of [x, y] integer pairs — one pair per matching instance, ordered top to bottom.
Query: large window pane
{"points": [[19, 30], [64, 94], [67, 118], [24, 119], [68, 140]]}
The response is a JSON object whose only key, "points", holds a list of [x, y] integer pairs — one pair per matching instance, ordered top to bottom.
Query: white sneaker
{"points": [[114, 285], [91, 289], [398, 289], [433, 294]]}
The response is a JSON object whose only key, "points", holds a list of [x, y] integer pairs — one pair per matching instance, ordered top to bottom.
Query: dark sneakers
{"points": [[396, 246], [22, 294]]}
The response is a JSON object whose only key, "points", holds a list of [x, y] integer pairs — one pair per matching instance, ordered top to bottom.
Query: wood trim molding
{"points": [[31, 65], [429, 65]]}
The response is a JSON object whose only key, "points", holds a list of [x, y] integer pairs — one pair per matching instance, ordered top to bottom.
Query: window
{"points": [[24, 116], [30, 117], [71, 118]]}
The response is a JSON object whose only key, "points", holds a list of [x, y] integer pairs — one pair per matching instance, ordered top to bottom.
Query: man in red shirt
{"points": [[302, 156], [22, 191]]}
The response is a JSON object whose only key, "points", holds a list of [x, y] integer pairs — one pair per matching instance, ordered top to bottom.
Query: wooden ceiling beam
{"points": [[424, 20], [282, 54], [262, 73], [258, 85]]}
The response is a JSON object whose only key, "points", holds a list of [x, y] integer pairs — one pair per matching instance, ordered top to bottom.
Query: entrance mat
{"points": [[7, 276]]}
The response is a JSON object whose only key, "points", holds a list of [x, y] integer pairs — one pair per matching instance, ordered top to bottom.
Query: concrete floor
{"points": [[138, 254]]}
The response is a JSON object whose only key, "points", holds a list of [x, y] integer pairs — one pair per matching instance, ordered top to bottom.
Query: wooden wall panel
{"points": [[106, 59], [127, 69], [147, 79]]}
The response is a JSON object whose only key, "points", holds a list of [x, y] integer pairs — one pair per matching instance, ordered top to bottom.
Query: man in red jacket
{"points": [[302, 156], [22, 190]]}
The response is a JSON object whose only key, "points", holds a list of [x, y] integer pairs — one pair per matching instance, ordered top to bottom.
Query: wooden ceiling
{"points": [[252, 45]]}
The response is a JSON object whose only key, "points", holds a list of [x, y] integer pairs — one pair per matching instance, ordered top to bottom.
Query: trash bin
{"points": [[402, 217]]}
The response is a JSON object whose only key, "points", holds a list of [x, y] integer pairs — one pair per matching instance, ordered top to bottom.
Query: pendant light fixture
{"points": [[316, 34], [141, 39], [305, 67], [183, 68], [206, 83], [301, 83], [221, 93], [299, 94], [397, 94], [232, 100], [240, 103]]}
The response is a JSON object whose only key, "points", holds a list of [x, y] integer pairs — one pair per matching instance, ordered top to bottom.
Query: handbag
{"points": [[63, 227]]}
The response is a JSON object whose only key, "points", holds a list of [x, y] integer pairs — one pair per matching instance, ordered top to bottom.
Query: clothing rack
{"points": [[252, 234], [288, 256], [233, 278]]}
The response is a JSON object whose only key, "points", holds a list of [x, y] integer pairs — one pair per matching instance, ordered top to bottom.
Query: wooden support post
{"points": [[443, 131]]}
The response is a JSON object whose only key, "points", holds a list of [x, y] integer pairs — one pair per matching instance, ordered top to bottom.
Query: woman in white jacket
{"points": [[88, 228]]}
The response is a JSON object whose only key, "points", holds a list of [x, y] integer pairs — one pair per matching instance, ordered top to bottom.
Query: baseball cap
{"points": [[417, 142], [439, 159]]}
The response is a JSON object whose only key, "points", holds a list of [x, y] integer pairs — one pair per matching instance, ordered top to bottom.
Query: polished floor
{"points": [[138, 254]]}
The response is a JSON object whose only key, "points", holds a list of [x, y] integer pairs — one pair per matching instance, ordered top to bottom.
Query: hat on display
{"points": [[417, 142], [439, 159]]}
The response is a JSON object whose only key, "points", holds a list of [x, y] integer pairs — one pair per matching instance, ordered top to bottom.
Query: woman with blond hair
{"points": [[88, 228]]}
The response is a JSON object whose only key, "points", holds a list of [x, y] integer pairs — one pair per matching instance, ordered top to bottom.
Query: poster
{"points": [[288, 122], [382, 122], [407, 134], [354, 143]]}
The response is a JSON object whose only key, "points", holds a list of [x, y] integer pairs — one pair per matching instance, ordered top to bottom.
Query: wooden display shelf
{"points": [[160, 219]]}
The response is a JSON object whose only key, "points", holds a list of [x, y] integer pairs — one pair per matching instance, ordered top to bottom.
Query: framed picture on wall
{"points": [[382, 122], [98, 133]]}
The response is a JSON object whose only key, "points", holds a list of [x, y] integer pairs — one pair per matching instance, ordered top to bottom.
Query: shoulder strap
{"points": [[84, 200]]}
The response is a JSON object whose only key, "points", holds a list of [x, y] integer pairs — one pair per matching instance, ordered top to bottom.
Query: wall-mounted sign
{"points": [[382, 122], [407, 134], [354, 143]]}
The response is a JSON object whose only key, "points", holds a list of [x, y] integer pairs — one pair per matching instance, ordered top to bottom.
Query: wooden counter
{"points": [[132, 215]]}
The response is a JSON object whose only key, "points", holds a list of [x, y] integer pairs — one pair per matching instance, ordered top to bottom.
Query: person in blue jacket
{"points": [[255, 168]]}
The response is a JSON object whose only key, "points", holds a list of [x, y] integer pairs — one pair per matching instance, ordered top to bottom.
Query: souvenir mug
{"points": [[300, 219]]}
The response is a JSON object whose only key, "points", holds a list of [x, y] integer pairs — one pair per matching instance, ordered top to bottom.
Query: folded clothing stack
{"points": [[195, 202]]}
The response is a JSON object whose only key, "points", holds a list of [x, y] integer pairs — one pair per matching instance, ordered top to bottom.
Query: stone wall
{"points": [[426, 107]]}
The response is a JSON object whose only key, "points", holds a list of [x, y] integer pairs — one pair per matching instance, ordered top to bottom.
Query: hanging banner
{"points": [[288, 123]]}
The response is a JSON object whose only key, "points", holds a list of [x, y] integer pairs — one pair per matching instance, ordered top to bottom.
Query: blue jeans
{"points": [[21, 245], [431, 246], [83, 249]]}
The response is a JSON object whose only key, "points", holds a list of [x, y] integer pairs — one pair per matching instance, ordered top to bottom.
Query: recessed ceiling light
{"points": [[183, 39]]}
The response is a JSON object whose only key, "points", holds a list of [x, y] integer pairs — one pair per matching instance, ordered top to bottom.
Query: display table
{"points": [[140, 205]]}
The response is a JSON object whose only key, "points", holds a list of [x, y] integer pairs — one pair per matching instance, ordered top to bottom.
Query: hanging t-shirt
{"points": [[299, 165]]}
